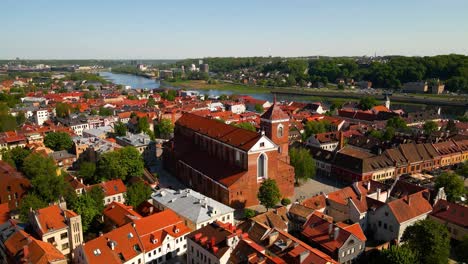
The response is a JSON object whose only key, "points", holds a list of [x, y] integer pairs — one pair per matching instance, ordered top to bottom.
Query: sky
{"points": [[176, 29]]}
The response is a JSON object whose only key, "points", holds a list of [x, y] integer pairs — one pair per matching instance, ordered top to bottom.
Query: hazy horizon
{"points": [[124, 30]]}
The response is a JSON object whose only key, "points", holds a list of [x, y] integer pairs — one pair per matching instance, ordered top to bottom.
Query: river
{"points": [[145, 83]]}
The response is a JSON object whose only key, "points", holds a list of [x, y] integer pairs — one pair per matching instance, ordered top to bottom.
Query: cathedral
{"points": [[228, 163]]}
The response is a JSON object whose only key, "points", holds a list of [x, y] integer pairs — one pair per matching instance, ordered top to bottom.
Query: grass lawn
{"points": [[202, 85]]}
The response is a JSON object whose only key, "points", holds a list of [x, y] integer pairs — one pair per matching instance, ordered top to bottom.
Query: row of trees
{"points": [[392, 72]]}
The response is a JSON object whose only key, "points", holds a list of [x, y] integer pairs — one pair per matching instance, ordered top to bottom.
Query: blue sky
{"points": [[117, 29]]}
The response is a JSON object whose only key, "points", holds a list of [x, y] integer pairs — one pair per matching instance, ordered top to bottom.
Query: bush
{"points": [[285, 201], [249, 213]]}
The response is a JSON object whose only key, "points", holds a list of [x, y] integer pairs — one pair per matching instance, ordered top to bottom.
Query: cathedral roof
{"points": [[274, 113]]}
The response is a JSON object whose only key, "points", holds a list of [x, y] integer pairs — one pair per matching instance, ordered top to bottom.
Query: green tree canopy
{"points": [[151, 102], [367, 103], [259, 108], [63, 109], [103, 111], [396, 123], [143, 124], [247, 126], [316, 127], [430, 127], [164, 128], [120, 129], [58, 141], [15, 156], [303, 163], [121, 164], [36, 165], [463, 170], [87, 171], [453, 185], [49, 187], [138, 193], [269, 194], [30, 201], [87, 207], [429, 240], [461, 250], [395, 255]]}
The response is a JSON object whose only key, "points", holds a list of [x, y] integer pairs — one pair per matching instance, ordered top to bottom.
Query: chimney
{"points": [[368, 185], [378, 193], [151, 210], [330, 228], [336, 233], [213, 242], [26, 252]]}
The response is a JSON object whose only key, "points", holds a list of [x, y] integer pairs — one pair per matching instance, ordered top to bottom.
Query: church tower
{"points": [[387, 101], [275, 123]]}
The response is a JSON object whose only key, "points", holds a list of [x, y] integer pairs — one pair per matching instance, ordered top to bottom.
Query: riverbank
{"points": [[222, 86]]}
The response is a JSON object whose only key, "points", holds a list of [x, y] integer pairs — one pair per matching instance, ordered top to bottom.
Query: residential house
{"points": [[13, 185], [114, 191], [196, 209], [453, 216], [58, 226], [341, 241], [17, 246]]}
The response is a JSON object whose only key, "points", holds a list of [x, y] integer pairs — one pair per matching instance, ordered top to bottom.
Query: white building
{"points": [[41, 115], [196, 209]]}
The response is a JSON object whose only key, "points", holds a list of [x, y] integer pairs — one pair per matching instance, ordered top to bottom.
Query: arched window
{"points": [[280, 131], [261, 166]]}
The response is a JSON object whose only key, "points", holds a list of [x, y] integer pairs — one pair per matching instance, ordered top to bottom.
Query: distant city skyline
{"points": [[195, 29]]}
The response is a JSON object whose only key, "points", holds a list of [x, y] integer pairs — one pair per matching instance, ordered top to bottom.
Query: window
{"points": [[280, 131], [262, 144], [261, 166], [63, 235], [51, 240], [64, 246]]}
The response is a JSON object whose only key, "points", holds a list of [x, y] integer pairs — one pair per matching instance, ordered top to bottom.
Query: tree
{"points": [[151, 102], [367, 103], [259, 108], [63, 109], [103, 111], [93, 112], [396, 123], [143, 124], [247, 126], [316, 127], [430, 127], [164, 128], [120, 129], [389, 133], [58, 141], [15, 156], [132, 160], [303, 163], [121, 164], [35, 165], [109, 166], [463, 169], [87, 171], [453, 185], [49, 187], [138, 193], [97, 194], [269, 194], [30, 201], [285, 201], [86, 207], [249, 213], [429, 240], [461, 250], [395, 255]]}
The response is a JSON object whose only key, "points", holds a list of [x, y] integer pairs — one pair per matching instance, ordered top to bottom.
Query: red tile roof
{"points": [[274, 113], [231, 135], [13, 181], [111, 187], [315, 202], [410, 207], [4, 212], [451, 212], [120, 214], [52, 218]]}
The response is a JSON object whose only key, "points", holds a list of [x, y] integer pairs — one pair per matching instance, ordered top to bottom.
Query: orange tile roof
{"points": [[274, 113], [231, 135], [111, 187], [315, 202], [409, 207], [4, 212], [451, 212], [120, 214], [52, 218], [158, 226], [127, 246]]}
